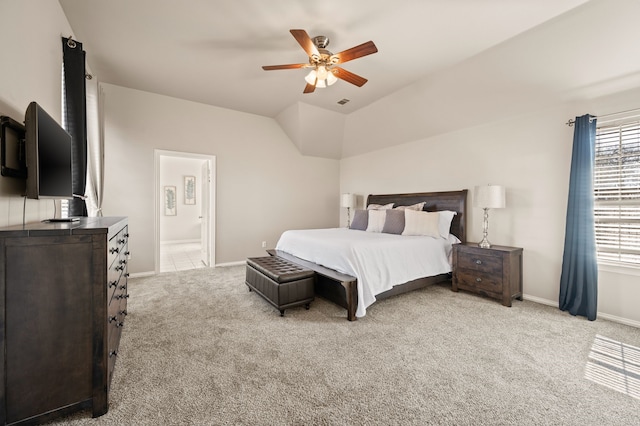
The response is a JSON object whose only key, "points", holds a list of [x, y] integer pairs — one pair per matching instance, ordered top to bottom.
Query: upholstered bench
{"points": [[282, 283]]}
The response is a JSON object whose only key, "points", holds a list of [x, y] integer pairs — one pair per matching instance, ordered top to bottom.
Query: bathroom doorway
{"points": [[185, 211]]}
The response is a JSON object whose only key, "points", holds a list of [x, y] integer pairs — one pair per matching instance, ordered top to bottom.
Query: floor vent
{"points": [[343, 101]]}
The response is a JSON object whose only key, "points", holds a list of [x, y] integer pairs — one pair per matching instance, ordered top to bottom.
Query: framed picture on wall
{"points": [[189, 189], [170, 201]]}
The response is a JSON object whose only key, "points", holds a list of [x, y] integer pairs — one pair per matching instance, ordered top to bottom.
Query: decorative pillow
{"points": [[380, 206], [417, 207], [360, 220], [376, 220], [393, 222], [421, 223], [444, 224]]}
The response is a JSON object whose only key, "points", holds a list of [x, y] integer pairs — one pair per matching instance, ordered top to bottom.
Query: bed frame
{"points": [[342, 289]]}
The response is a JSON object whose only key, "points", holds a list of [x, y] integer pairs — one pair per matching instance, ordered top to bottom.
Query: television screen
{"points": [[48, 152]]}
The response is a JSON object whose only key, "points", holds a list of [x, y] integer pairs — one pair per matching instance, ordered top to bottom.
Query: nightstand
{"points": [[494, 272]]}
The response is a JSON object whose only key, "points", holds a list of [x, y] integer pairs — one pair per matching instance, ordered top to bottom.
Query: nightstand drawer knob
{"points": [[478, 262], [478, 279]]}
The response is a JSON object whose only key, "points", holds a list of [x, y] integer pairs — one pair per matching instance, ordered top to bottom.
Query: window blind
{"points": [[617, 193]]}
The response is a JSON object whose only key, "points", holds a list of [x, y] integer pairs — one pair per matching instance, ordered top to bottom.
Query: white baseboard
{"points": [[197, 240], [241, 262], [142, 274], [540, 300], [608, 317], [620, 320]]}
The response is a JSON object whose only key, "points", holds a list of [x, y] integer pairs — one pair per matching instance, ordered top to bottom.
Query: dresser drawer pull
{"points": [[126, 235], [122, 241], [113, 250], [127, 253], [123, 262], [478, 262], [119, 268], [126, 275], [478, 280], [113, 283], [122, 287], [126, 296], [123, 312], [112, 318], [119, 324], [113, 353]]}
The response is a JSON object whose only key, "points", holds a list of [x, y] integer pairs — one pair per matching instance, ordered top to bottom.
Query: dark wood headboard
{"points": [[449, 200]]}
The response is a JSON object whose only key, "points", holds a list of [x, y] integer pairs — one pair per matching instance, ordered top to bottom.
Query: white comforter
{"points": [[378, 260]]}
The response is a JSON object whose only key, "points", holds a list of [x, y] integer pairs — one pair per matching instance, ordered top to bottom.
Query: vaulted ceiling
{"points": [[212, 51]]}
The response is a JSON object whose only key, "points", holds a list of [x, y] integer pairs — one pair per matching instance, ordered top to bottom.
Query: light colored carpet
{"points": [[199, 349]]}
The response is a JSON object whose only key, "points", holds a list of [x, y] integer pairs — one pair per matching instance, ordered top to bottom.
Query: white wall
{"points": [[30, 70], [531, 156], [264, 185], [185, 225]]}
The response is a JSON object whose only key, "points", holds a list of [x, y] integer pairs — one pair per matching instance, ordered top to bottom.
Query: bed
{"points": [[330, 253]]}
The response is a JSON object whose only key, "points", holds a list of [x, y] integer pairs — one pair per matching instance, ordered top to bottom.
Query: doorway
{"points": [[185, 211]]}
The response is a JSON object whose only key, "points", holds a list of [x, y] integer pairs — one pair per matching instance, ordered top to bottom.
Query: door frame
{"points": [[158, 153]]}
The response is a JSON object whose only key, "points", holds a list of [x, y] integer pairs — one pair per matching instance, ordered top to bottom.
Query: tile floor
{"points": [[180, 257]]}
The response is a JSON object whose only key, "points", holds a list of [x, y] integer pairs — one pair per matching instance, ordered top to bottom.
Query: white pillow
{"points": [[380, 206], [418, 206], [376, 220], [421, 223], [444, 225]]}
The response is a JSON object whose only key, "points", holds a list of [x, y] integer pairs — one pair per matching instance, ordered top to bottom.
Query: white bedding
{"points": [[378, 260]]}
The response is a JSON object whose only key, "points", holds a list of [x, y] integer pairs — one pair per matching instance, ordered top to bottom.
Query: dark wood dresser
{"points": [[494, 272], [63, 300]]}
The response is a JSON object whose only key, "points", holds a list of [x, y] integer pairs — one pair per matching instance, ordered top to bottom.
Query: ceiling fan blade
{"points": [[305, 41], [359, 51], [283, 67], [348, 76], [309, 88]]}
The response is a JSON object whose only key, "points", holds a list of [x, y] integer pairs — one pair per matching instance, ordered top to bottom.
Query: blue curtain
{"points": [[579, 279]]}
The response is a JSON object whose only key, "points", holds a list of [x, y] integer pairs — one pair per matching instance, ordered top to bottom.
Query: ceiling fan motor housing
{"points": [[321, 42]]}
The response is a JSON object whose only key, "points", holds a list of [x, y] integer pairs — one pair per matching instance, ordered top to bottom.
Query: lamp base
{"points": [[485, 230], [484, 243]]}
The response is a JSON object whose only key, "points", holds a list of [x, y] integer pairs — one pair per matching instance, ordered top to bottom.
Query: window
{"points": [[617, 193]]}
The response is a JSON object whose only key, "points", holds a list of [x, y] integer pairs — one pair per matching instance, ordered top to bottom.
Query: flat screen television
{"points": [[48, 156]]}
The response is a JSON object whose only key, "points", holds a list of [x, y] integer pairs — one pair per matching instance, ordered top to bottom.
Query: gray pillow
{"points": [[360, 220], [394, 222]]}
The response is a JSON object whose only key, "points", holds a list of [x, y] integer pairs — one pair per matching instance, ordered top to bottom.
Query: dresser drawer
{"points": [[118, 247], [112, 283]]}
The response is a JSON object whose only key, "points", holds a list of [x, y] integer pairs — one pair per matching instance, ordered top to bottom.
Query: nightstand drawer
{"points": [[481, 263], [475, 280]]}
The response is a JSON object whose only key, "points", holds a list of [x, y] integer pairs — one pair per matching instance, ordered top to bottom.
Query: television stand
{"points": [[62, 219]]}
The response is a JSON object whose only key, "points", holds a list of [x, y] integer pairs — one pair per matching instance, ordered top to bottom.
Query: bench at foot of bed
{"points": [[282, 283], [337, 287]]}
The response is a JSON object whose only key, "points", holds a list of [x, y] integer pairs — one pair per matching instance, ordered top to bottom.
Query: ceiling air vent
{"points": [[343, 101]]}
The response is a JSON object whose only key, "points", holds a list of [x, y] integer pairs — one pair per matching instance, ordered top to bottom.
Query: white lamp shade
{"points": [[311, 77], [331, 79], [489, 196], [348, 200]]}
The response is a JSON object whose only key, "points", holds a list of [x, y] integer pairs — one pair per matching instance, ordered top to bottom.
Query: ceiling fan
{"points": [[325, 71]]}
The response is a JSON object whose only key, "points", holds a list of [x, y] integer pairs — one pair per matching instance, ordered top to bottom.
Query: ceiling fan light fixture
{"points": [[322, 72], [311, 77], [321, 77], [331, 78]]}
